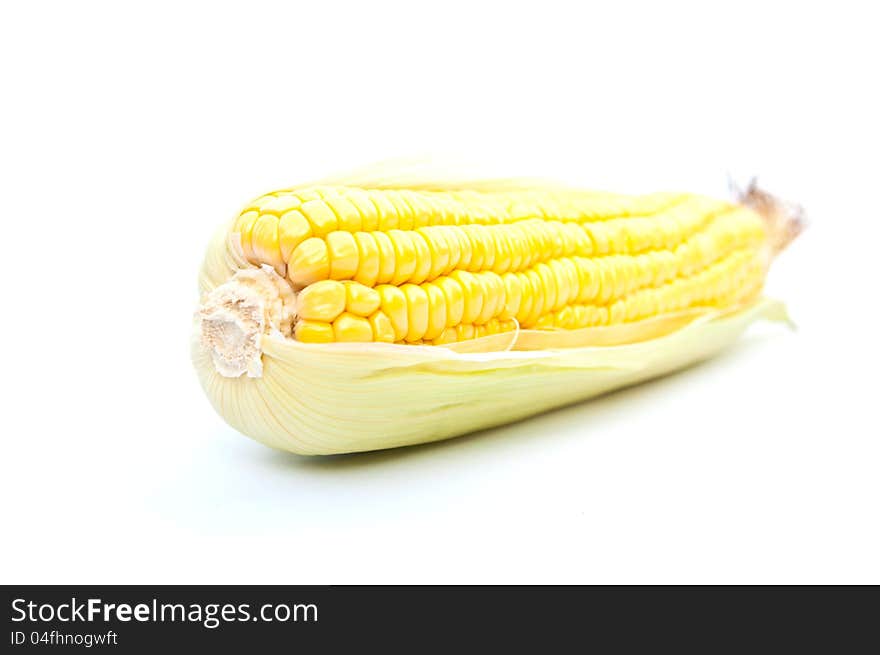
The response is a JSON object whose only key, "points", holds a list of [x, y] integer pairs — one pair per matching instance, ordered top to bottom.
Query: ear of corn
{"points": [[485, 304]]}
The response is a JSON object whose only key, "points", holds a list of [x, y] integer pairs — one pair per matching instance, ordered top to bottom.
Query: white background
{"points": [[130, 130]]}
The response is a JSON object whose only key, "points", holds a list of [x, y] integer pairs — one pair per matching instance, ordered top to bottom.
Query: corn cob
{"points": [[484, 270]]}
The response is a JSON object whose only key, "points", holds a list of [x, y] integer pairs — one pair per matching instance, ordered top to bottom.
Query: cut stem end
{"points": [[235, 316]]}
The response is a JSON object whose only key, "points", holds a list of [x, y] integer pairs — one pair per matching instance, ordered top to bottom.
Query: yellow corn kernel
{"points": [[305, 195], [280, 204], [367, 210], [386, 211], [424, 211], [405, 214], [321, 218], [348, 218], [243, 226], [293, 229], [555, 229], [575, 239], [264, 242], [535, 242], [454, 245], [479, 245], [517, 245], [438, 250], [503, 250], [465, 251], [343, 253], [404, 256], [422, 256], [387, 258], [368, 259], [309, 262], [568, 270], [588, 280], [607, 280], [562, 283], [548, 286], [492, 288], [453, 294], [473, 295], [512, 295], [536, 295], [525, 297], [360, 299], [322, 301], [394, 306], [416, 311], [436, 311], [617, 312], [578, 316], [564, 318], [348, 327], [382, 328], [465, 331], [313, 332], [448, 336]]}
